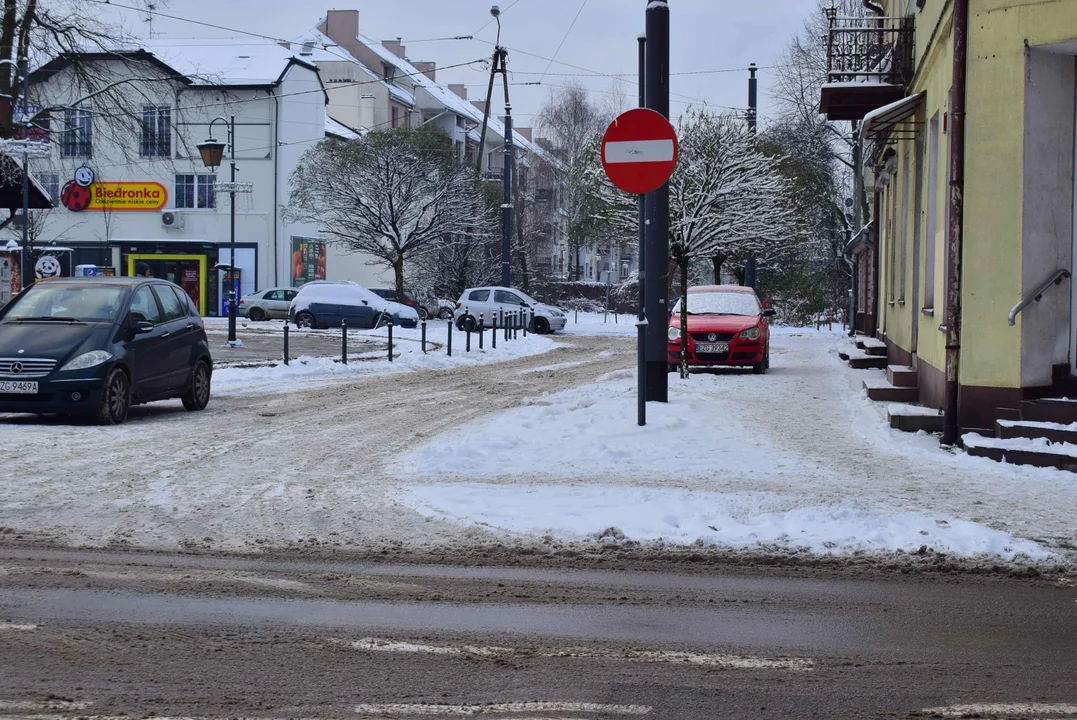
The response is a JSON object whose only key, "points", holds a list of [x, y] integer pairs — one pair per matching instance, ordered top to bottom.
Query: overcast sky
{"points": [[705, 35]]}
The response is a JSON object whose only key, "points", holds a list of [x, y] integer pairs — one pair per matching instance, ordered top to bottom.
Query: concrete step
{"points": [[871, 346], [844, 354], [867, 362], [902, 376], [882, 391], [1055, 410], [914, 418], [1052, 432], [1022, 451]]}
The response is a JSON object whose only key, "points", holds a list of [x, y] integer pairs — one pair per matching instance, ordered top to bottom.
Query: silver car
{"points": [[266, 304]]}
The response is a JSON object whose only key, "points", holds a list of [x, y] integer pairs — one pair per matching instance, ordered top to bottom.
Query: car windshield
{"points": [[64, 302], [720, 303]]}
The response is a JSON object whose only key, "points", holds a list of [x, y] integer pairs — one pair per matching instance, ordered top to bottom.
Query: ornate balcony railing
{"points": [[870, 50]]}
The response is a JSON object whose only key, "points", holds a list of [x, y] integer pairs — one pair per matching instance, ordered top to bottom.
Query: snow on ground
{"points": [[592, 324], [305, 372], [795, 458]]}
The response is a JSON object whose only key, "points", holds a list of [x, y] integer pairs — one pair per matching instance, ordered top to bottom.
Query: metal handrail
{"points": [[1056, 279]]}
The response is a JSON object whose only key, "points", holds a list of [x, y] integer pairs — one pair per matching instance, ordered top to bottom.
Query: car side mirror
{"points": [[365, 302], [769, 312], [141, 327]]}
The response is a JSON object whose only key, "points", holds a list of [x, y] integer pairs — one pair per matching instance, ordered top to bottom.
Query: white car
{"points": [[490, 302], [330, 303], [266, 304]]}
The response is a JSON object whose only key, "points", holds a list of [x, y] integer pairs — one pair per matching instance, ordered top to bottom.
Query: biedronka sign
{"points": [[127, 196]]}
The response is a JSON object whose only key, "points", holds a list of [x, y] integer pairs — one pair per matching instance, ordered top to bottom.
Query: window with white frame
{"points": [[156, 132], [78, 133], [51, 183], [195, 192]]}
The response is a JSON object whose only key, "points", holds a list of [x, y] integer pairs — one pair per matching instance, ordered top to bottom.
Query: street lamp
{"points": [[212, 152]]}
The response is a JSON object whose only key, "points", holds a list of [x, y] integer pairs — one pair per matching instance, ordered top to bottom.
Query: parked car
{"points": [[409, 300], [328, 303], [485, 303], [266, 304], [726, 326], [96, 346]]}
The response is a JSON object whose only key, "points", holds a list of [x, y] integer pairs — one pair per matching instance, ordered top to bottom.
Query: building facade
{"points": [[972, 244]]}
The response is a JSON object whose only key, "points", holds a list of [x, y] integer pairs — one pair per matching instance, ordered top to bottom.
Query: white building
{"points": [[153, 199]]}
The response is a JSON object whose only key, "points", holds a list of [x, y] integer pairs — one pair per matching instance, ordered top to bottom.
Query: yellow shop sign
{"points": [[127, 196]]}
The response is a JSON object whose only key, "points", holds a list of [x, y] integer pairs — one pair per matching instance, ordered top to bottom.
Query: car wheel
{"points": [[257, 314], [424, 314], [445, 314], [305, 320], [381, 320], [467, 324], [542, 326], [766, 359], [673, 367], [759, 368], [197, 395], [115, 399]]}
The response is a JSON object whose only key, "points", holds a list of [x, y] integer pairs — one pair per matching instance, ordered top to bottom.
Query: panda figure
{"points": [[47, 267]]}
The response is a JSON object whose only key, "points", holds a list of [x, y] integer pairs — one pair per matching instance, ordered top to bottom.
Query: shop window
{"points": [[156, 132], [78, 133], [196, 192]]}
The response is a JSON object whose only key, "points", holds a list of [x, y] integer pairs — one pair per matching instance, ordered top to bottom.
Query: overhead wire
{"points": [[563, 39]]}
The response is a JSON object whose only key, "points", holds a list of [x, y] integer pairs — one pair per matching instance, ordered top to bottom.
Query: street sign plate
{"points": [[639, 151]]}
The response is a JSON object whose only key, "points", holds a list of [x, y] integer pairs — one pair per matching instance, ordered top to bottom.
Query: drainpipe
{"points": [[276, 189], [955, 232], [875, 304]]}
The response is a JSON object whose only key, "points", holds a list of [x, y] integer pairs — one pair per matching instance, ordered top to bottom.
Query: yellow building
{"points": [[974, 193]]}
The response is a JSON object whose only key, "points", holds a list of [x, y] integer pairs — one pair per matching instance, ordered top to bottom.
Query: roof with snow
{"points": [[328, 51], [342, 131]]}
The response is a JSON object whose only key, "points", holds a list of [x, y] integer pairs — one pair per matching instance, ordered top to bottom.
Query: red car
{"points": [[726, 327]]}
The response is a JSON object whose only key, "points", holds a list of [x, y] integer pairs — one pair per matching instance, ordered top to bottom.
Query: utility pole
{"points": [[499, 64], [753, 121], [657, 210], [26, 262], [641, 323]]}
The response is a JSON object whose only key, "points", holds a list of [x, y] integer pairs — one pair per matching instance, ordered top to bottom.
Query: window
{"points": [[389, 72], [396, 116], [156, 132], [78, 133], [51, 183], [196, 192], [932, 212], [479, 296], [504, 297], [144, 306], [174, 308]]}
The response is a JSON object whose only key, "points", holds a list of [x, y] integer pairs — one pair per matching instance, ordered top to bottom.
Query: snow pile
{"points": [[741, 521]]}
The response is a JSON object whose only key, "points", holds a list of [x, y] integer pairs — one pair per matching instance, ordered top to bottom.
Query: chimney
{"points": [[342, 27], [393, 46], [427, 68], [459, 90], [525, 131]]}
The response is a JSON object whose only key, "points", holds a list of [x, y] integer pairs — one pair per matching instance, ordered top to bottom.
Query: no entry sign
{"points": [[639, 151]]}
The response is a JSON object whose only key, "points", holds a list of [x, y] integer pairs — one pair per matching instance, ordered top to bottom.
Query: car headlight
{"points": [[674, 333], [751, 333], [88, 360]]}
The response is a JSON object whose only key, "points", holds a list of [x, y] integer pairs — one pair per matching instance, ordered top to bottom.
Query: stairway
{"points": [[899, 387], [1043, 434]]}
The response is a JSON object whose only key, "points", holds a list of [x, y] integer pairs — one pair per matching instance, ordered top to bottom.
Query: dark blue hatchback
{"points": [[97, 346]]}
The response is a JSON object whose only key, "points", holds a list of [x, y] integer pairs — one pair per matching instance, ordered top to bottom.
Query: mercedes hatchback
{"points": [[96, 346]]}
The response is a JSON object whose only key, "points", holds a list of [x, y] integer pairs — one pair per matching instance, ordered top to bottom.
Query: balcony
{"points": [[869, 65]]}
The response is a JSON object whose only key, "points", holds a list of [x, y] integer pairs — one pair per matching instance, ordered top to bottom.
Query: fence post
{"points": [[390, 326], [482, 328], [424, 337], [344, 341], [285, 342], [449, 343]]}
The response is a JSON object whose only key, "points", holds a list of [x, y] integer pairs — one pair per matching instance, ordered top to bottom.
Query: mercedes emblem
{"points": [[16, 368]]}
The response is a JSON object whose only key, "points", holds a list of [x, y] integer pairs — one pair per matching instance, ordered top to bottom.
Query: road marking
{"points": [[638, 151], [24, 627], [736, 662], [512, 707], [979, 710]]}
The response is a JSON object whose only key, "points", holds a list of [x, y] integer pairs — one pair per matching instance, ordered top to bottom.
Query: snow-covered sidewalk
{"points": [[796, 459]]}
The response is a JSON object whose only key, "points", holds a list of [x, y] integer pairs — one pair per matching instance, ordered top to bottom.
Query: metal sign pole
{"points": [[657, 220]]}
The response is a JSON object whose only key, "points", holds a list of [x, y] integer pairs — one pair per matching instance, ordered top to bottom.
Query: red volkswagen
{"points": [[726, 327]]}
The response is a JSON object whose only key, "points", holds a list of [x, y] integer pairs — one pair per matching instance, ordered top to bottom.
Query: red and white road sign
{"points": [[639, 151]]}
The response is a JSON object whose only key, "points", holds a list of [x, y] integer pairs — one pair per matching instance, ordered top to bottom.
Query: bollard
{"points": [[523, 313], [532, 320], [576, 320], [615, 321], [482, 322], [505, 323], [389, 325], [515, 325], [467, 332], [493, 335], [424, 337], [344, 341], [285, 342], [448, 344]]}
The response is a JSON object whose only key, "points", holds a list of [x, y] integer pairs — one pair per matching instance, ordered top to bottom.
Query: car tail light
{"points": [[242, 301], [410, 303], [457, 306]]}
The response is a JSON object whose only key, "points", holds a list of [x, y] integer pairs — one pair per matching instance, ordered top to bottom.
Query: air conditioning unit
{"points": [[172, 220]]}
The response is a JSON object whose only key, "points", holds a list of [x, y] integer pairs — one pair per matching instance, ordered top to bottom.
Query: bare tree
{"points": [[391, 195]]}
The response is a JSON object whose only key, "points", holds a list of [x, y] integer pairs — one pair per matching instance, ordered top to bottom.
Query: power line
{"points": [[491, 20], [563, 39]]}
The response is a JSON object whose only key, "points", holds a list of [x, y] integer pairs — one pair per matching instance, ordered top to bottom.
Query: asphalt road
{"points": [[99, 634]]}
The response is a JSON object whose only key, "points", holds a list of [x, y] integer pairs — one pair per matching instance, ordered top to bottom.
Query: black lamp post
{"points": [[212, 152]]}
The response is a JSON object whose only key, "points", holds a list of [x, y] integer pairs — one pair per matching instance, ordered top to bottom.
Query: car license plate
{"points": [[717, 348], [18, 387]]}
